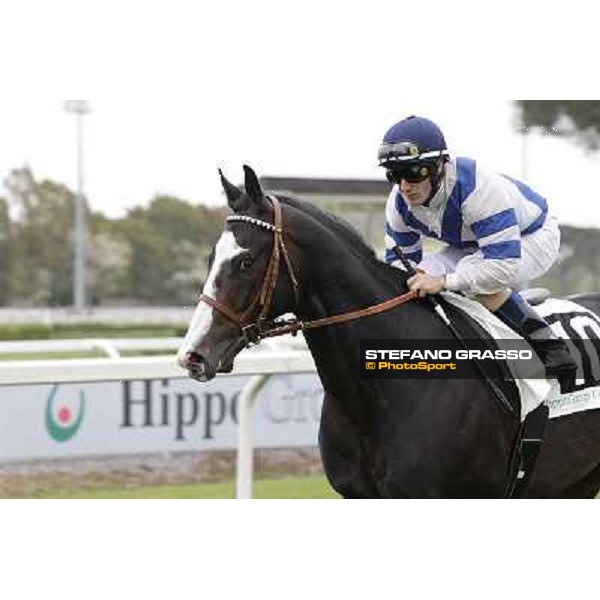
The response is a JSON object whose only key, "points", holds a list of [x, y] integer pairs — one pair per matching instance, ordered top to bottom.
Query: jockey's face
{"points": [[416, 193]]}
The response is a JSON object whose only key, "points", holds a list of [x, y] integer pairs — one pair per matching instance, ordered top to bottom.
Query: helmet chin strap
{"points": [[436, 181]]}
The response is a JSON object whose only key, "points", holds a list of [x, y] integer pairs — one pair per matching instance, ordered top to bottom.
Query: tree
{"points": [[577, 119], [41, 240], [170, 241], [5, 252], [157, 254], [110, 256], [149, 264]]}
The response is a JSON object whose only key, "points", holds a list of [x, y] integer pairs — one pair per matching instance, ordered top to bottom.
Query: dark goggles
{"points": [[412, 174]]}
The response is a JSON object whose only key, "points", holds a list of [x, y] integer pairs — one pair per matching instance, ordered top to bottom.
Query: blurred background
{"points": [[142, 248]]}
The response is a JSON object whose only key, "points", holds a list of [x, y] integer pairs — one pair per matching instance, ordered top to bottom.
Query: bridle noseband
{"points": [[254, 331]]}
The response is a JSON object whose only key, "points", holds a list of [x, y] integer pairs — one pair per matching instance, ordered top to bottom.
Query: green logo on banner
{"points": [[61, 422]]}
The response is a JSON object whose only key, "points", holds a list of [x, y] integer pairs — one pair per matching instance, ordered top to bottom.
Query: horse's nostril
{"points": [[189, 358], [192, 358], [197, 366]]}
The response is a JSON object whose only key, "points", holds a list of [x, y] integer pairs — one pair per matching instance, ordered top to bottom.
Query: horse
{"points": [[378, 438]]}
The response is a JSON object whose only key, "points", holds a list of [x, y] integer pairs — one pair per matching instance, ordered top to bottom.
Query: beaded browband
{"points": [[252, 221]]}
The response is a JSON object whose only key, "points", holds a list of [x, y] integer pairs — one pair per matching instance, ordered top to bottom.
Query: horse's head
{"points": [[250, 279]]}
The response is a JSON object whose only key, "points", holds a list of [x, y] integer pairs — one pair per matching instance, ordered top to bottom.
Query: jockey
{"points": [[498, 232]]}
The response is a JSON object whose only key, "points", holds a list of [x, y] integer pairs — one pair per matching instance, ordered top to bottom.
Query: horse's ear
{"points": [[253, 188], [236, 199]]}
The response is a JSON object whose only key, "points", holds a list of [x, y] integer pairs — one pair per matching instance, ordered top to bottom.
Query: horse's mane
{"points": [[337, 225]]}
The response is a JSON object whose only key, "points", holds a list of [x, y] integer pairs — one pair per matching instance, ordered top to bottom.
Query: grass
{"points": [[285, 488]]}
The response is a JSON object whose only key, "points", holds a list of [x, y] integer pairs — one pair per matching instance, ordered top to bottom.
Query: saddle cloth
{"points": [[569, 321]]}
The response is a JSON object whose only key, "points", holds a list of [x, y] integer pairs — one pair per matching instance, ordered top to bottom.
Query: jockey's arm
{"points": [[399, 234], [493, 268]]}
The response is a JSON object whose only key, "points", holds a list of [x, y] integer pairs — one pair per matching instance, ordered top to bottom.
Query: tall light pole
{"points": [[79, 108]]}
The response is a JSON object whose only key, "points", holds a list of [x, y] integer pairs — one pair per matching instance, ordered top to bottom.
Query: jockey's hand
{"points": [[425, 284]]}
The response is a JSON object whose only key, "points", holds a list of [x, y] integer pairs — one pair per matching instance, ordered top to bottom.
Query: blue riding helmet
{"points": [[415, 139], [413, 149]]}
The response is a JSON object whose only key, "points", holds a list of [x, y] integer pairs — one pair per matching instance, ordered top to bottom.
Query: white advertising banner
{"points": [[163, 415]]}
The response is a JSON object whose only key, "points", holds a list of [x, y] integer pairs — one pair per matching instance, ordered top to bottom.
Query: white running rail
{"points": [[112, 347], [261, 364]]}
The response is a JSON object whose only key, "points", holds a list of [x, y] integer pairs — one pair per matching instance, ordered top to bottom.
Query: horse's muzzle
{"points": [[197, 367]]}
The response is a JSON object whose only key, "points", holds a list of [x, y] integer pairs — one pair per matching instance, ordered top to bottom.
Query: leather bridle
{"points": [[255, 330]]}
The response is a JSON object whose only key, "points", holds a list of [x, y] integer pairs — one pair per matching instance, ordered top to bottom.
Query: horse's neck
{"points": [[345, 283], [349, 283], [341, 288]]}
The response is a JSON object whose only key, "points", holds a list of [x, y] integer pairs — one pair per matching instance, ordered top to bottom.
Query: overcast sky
{"points": [[306, 90]]}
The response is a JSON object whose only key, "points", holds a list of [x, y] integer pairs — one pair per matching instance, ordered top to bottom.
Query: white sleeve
{"points": [[493, 221]]}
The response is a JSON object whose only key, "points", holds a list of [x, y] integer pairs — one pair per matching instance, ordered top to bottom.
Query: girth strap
{"points": [[525, 452]]}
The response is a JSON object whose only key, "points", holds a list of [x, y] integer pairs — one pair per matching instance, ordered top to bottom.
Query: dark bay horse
{"points": [[379, 438]]}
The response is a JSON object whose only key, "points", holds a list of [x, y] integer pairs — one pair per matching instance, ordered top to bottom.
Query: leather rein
{"points": [[259, 328]]}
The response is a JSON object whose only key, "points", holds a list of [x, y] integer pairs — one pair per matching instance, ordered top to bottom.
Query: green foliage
{"points": [[579, 119], [170, 242], [6, 252], [155, 255], [579, 270], [40, 271]]}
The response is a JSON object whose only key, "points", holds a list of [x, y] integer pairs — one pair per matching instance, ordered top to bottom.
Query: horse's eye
{"points": [[246, 262]]}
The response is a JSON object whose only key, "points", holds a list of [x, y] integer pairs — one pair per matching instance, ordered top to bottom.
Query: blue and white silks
{"points": [[485, 218]]}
